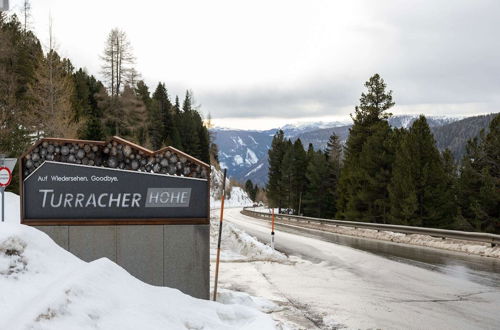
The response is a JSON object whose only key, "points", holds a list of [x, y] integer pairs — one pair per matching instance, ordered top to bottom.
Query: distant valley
{"points": [[244, 152]]}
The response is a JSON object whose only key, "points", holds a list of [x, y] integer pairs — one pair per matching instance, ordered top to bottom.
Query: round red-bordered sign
{"points": [[5, 176]]}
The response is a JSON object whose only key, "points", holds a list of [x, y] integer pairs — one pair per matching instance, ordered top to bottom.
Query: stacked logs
{"points": [[113, 155]]}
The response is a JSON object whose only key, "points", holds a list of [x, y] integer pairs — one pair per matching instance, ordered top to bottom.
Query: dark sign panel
{"points": [[71, 193]]}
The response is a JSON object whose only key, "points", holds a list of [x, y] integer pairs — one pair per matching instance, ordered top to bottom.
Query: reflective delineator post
{"points": [[223, 197], [272, 231]]}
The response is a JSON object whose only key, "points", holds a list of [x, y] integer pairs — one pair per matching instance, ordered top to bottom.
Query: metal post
{"points": [[2, 157], [300, 202], [3, 203], [272, 231], [220, 234]]}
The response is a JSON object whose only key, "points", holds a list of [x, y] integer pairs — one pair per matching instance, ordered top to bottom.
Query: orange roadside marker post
{"points": [[220, 234]]}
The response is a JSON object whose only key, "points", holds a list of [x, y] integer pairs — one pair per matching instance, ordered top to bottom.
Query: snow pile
{"points": [[237, 196], [238, 246], [45, 287], [229, 297]]}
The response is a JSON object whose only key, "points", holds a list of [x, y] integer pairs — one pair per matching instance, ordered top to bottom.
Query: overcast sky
{"points": [[261, 64]]}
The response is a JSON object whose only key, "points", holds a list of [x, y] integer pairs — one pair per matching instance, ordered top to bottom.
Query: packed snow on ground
{"points": [[239, 246], [470, 247], [238, 252], [45, 287]]}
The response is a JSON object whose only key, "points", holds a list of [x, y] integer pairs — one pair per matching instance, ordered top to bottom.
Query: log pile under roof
{"points": [[116, 153]]}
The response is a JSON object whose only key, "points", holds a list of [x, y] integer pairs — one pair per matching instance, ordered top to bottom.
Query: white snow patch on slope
{"points": [[251, 137], [240, 142], [251, 158], [238, 160], [254, 170], [237, 197], [45, 287]]}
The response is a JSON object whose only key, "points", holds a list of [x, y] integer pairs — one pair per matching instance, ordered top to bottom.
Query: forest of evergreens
{"points": [[44, 95], [388, 175]]}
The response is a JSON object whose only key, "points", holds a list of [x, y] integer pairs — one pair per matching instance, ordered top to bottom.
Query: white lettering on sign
{"points": [[77, 178], [168, 197], [104, 200]]}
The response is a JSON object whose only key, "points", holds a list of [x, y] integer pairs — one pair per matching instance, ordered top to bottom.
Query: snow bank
{"points": [[239, 246], [476, 248], [45, 287], [230, 297]]}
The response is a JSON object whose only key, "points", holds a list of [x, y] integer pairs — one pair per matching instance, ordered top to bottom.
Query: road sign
{"points": [[5, 176], [115, 182], [72, 194]]}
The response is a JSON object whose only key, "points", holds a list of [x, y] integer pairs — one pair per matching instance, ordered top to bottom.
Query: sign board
{"points": [[5, 176], [59, 192]]}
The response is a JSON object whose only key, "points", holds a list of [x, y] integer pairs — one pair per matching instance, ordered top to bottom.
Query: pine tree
{"points": [[52, 93], [85, 106], [165, 108], [135, 116], [189, 121], [155, 128], [204, 153], [275, 155], [334, 155], [287, 172], [299, 180], [479, 181], [363, 183], [251, 189], [420, 190], [316, 201]]}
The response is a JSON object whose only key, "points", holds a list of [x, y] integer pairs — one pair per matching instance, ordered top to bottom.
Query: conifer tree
{"points": [[52, 94], [85, 106], [165, 109], [135, 115], [276, 153], [334, 155], [287, 173], [299, 180], [479, 181], [363, 183], [251, 189], [420, 189], [316, 201]]}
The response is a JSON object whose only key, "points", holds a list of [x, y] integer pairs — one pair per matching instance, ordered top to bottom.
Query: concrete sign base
{"points": [[163, 255]]}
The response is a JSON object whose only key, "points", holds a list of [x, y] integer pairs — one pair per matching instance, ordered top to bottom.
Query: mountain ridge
{"points": [[244, 152]]}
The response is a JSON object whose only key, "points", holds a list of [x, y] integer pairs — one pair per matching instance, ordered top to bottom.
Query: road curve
{"points": [[378, 284]]}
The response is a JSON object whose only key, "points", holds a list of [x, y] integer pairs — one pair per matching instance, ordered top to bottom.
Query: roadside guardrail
{"points": [[492, 239]]}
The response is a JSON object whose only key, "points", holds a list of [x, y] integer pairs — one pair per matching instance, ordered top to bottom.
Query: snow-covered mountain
{"points": [[244, 152]]}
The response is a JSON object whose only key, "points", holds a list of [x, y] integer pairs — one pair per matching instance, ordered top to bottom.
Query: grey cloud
{"points": [[439, 52]]}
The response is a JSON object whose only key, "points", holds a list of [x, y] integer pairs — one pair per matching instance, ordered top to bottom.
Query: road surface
{"points": [[362, 283]]}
